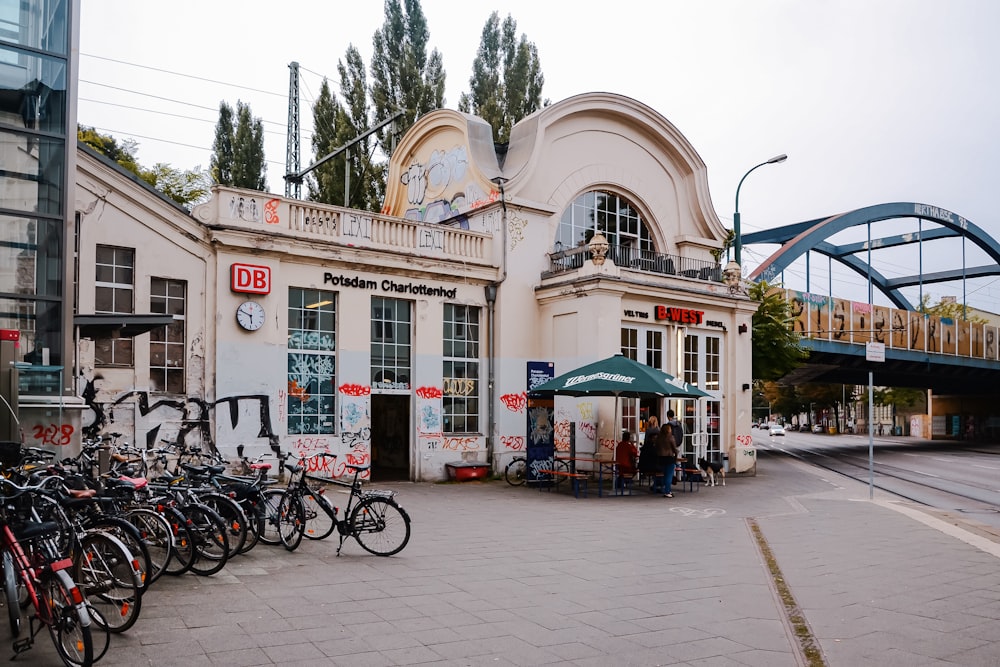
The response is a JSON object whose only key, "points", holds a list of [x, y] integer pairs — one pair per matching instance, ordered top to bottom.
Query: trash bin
{"points": [[833, 430], [897, 430]]}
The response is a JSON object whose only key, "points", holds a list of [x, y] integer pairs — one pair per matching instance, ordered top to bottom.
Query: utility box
{"points": [[9, 427], [746, 459]]}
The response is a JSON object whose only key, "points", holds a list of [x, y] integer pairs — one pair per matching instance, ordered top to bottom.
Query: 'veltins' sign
{"points": [[250, 279], [682, 315]]}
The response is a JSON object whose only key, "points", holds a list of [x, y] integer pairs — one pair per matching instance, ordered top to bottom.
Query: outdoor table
{"points": [[602, 464]]}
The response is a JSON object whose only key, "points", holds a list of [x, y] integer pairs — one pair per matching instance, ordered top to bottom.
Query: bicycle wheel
{"points": [[516, 471], [253, 508], [232, 514], [269, 517], [321, 518], [291, 520], [380, 526], [156, 534], [129, 536], [210, 537], [183, 543], [102, 568], [10, 593], [69, 625]]}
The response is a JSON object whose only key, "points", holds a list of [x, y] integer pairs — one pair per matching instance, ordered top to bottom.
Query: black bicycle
{"points": [[516, 471], [372, 517]]}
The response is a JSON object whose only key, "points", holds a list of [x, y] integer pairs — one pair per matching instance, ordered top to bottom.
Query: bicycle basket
{"points": [[10, 453]]}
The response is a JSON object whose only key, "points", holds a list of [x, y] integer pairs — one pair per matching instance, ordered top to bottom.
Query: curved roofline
{"points": [[800, 238]]}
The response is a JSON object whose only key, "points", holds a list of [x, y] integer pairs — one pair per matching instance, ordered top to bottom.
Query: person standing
{"points": [[677, 428], [667, 449], [648, 455]]}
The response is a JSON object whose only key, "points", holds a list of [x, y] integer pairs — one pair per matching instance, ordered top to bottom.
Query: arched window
{"points": [[613, 215]]}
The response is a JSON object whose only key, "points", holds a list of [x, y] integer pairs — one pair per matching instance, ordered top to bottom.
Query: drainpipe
{"points": [[491, 300]]}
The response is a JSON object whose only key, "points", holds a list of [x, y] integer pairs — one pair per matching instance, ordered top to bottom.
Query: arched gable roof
{"points": [[567, 147]]}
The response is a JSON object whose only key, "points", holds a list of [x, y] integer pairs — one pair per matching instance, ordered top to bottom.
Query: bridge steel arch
{"points": [[799, 238]]}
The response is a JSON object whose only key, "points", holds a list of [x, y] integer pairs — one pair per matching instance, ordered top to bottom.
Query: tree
{"points": [[404, 79], [506, 82], [336, 126], [238, 151], [221, 165], [249, 167], [186, 187], [950, 308], [776, 348]]}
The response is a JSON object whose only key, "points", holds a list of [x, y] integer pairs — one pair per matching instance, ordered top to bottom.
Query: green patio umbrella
{"points": [[617, 376]]}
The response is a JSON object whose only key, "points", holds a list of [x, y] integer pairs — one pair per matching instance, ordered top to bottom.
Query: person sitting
{"points": [[625, 456]]}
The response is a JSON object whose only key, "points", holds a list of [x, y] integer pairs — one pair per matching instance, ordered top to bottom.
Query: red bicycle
{"points": [[31, 563]]}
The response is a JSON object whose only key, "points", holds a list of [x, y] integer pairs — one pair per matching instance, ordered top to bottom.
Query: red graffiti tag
{"points": [[271, 216], [355, 390], [298, 392], [429, 392], [515, 402], [589, 430], [53, 434], [746, 440], [513, 442], [607, 443]]}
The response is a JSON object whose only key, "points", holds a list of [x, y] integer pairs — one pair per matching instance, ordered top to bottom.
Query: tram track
{"points": [[920, 487]]}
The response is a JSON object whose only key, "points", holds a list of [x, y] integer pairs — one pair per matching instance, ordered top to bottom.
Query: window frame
{"points": [[460, 346]]}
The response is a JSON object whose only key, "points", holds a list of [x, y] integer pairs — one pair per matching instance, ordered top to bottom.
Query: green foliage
{"points": [[403, 77], [506, 82], [238, 150], [221, 165], [249, 167], [186, 187], [950, 309], [776, 348]]}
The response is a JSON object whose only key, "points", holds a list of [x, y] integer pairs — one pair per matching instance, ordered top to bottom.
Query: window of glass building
{"points": [[114, 293], [167, 345], [392, 345], [312, 361], [460, 372]]}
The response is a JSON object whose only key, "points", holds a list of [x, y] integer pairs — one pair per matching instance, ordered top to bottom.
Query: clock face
{"points": [[250, 315]]}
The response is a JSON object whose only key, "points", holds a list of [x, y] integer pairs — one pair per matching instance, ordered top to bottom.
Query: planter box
{"points": [[463, 471]]}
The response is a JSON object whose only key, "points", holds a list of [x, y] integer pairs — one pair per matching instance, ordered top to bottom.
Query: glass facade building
{"points": [[38, 60]]}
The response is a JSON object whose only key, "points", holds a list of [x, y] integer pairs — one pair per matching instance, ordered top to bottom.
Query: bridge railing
{"points": [[841, 320]]}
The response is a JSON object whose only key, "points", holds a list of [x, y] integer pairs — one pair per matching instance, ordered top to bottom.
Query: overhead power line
{"points": [[187, 76]]}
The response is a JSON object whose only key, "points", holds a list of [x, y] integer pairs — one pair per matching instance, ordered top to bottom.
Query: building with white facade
{"points": [[404, 338]]}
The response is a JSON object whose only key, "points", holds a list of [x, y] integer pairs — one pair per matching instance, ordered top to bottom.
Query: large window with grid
{"points": [[611, 214], [114, 293], [167, 344], [392, 344], [312, 361], [460, 373]]}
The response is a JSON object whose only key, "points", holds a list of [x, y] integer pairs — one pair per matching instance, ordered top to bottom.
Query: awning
{"points": [[107, 325]]}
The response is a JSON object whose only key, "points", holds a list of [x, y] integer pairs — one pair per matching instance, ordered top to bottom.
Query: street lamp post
{"points": [[736, 215]]}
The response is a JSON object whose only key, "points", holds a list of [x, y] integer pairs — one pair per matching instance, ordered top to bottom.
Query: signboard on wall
{"points": [[250, 279], [540, 448]]}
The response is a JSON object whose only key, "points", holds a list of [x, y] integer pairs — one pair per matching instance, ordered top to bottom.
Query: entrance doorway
{"points": [[390, 437]]}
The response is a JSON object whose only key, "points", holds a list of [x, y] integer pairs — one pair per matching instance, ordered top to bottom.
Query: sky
{"points": [[873, 101]]}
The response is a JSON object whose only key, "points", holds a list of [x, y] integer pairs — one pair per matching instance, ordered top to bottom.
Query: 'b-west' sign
{"points": [[250, 279]]}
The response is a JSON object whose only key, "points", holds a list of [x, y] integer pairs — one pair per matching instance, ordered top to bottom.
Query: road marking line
{"points": [[928, 474], [977, 541]]}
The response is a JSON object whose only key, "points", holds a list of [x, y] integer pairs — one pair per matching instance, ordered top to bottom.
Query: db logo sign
{"points": [[250, 279]]}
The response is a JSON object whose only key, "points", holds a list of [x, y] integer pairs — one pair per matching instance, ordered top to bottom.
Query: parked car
{"points": [[817, 428], [776, 429]]}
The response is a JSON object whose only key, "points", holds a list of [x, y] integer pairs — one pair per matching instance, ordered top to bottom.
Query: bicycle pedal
{"points": [[21, 645]]}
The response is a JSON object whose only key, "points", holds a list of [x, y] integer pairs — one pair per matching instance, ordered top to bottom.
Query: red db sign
{"points": [[250, 279]]}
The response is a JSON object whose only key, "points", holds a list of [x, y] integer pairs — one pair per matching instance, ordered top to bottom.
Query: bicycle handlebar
{"points": [[18, 490]]}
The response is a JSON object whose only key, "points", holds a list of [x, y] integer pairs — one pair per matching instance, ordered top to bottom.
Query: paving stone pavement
{"points": [[496, 575]]}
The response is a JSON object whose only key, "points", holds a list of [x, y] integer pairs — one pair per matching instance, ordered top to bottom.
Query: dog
{"points": [[711, 471]]}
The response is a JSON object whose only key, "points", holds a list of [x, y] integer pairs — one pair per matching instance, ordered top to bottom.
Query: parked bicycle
{"points": [[516, 472], [371, 517], [30, 559]]}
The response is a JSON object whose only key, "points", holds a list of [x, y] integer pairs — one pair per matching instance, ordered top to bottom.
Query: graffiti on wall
{"points": [[441, 187], [188, 419]]}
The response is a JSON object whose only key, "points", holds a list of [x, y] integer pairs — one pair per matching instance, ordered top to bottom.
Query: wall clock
{"points": [[250, 315]]}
